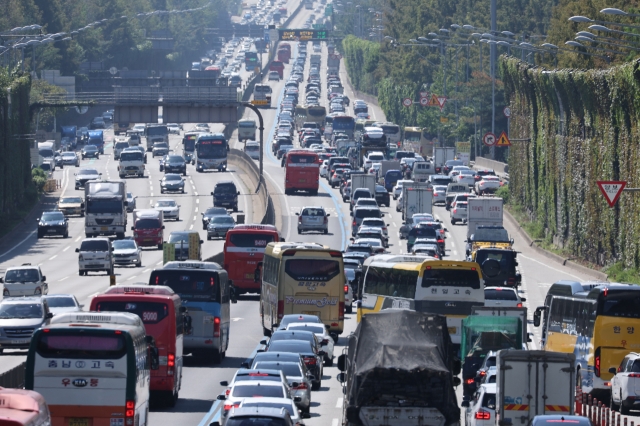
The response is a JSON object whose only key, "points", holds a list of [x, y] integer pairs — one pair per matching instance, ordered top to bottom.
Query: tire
{"points": [[121, 176], [161, 191], [182, 191], [235, 208], [177, 218], [453, 221], [299, 231], [326, 231], [39, 235], [65, 235], [120, 235], [208, 237], [160, 246], [139, 264], [81, 273], [349, 309], [266, 332], [216, 356], [328, 362], [316, 385], [612, 405], [623, 410]]}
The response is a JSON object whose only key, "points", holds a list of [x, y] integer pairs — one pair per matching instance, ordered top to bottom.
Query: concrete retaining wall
{"points": [[497, 166]]}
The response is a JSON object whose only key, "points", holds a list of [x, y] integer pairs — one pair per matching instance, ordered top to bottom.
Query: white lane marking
{"points": [[195, 193], [197, 199], [196, 210], [195, 217], [394, 224], [191, 227], [78, 239], [19, 244], [66, 248], [53, 257], [547, 265], [146, 270], [130, 278], [62, 279], [236, 319], [339, 403], [334, 422]]}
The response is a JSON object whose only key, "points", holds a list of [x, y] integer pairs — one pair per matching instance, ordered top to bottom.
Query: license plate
{"points": [[302, 180], [104, 228], [51, 230], [249, 276], [452, 330], [19, 342], [76, 421]]}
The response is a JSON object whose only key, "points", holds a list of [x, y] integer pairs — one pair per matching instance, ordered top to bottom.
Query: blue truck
{"points": [[68, 134], [96, 137]]}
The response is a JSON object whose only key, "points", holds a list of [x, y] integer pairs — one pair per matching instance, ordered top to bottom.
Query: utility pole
{"points": [[493, 75]]}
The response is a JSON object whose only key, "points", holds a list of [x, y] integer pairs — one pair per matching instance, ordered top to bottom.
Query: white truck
{"points": [[333, 65], [156, 133], [441, 155], [131, 163], [386, 165], [422, 170], [363, 181], [416, 199], [105, 208], [483, 211], [531, 383]]}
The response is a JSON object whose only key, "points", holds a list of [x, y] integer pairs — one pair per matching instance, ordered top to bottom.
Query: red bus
{"points": [[284, 55], [277, 66], [302, 171], [243, 249], [162, 314]]}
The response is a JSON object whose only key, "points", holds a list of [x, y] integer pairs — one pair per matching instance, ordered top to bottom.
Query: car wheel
{"points": [[161, 191], [182, 191], [235, 208], [299, 231], [326, 231], [39, 235], [65, 235], [208, 237], [160, 246], [349, 309], [328, 362], [315, 385], [612, 405], [623, 410]]}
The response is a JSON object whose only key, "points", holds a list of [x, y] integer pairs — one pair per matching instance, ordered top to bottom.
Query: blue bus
{"points": [[344, 123], [211, 152], [206, 294]]}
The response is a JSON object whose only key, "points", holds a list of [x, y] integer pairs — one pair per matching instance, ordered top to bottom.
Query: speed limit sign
{"points": [[407, 102]]}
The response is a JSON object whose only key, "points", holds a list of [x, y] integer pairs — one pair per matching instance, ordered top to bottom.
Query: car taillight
{"points": [[438, 169], [455, 210], [300, 219], [326, 220], [354, 223], [441, 241], [346, 289], [519, 305], [280, 308], [341, 312], [216, 327], [171, 360], [310, 361], [597, 362], [483, 373], [634, 375], [469, 381], [301, 386], [227, 392], [228, 407], [129, 412], [483, 415]]}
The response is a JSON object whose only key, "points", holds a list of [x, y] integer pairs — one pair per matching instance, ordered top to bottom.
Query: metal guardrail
{"points": [[13, 378]]}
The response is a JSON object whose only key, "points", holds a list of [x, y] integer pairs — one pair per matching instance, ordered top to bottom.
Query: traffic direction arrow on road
{"points": [[503, 140], [611, 190]]}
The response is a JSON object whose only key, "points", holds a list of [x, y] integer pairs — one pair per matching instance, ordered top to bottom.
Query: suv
{"points": [[118, 147], [225, 194], [382, 196], [360, 213], [313, 219], [53, 223], [95, 254], [25, 280], [19, 318], [624, 383], [481, 410], [258, 416]]}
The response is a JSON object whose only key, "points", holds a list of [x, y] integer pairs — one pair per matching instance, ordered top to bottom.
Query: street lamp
{"points": [[614, 11], [584, 19], [609, 30], [586, 39], [580, 45]]}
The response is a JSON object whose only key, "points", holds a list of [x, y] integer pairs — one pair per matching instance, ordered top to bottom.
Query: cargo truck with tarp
{"points": [[481, 335], [404, 377]]}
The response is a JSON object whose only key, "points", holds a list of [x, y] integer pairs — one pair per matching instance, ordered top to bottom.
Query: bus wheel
{"points": [[266, 332], [217, 356]]}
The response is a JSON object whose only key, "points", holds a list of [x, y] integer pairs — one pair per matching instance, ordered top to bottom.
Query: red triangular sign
{"points": [[441, 101], [611, 190]]}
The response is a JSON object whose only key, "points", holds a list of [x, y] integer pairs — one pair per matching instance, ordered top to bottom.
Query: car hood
{"points": [[175, 164], [82, 176], [172, 182], [68, 205], [166, 209], [52, 222], [220, 225], [125, 251], [57, 311], [20, 322]]}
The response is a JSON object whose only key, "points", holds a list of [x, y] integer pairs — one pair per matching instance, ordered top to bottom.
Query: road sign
{"points": [[303, 35], [266, 36], [113, 70], [424, 94], [424, 101], [433, 101], [441, 101], [259, 102], [407, 102], [507, 112], [444, 119], [489, 139], [503, 140], [611, 190]]}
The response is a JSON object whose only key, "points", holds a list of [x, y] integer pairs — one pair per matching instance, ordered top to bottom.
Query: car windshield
{"points": [[160, 145], [90, 148], [68, 155], [175, 158], [88, 171], [172, 177], [224, 189], [70, 200], [165, 203], [215, 211], [52, 216], [222, 219], [123, 244], [94, 245], [21, 276], [61, 301], [20, 310], [253, 391], [257, 420]]}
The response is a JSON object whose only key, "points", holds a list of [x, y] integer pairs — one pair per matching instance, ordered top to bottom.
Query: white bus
{"points": [[262, 95], [392, 132], [446, 287], [92, 368]]}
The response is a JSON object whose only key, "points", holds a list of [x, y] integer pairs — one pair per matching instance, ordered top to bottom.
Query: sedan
{"points": [[273, 75], [201, 127], [173, 128], [160, 149], [90, 151], [70, 159], [175, 164], [466, 177], [171, 182], [488, 184], [439, 194], [131, 202], [71, 205], [169, 208], [211, 212], [53, 223], [219, 225], [126, 252], [502, 297], [62, 303], [322, 334], [312, 360], [298, 378], [253, 389], [277, 403]]}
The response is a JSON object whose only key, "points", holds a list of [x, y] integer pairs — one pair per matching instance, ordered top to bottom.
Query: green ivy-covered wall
{"points": [[583, 127]]}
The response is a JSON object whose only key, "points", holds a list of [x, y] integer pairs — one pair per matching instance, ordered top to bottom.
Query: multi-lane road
{"points": [[200, 384]]}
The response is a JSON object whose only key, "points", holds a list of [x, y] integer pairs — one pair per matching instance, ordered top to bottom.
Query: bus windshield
{"points": [[316, 111], [343, 123], [157, 131], [412, 136], [189, 143], [212, 148], [391, 282], [198, 286], [149, 312], [86, 346]]}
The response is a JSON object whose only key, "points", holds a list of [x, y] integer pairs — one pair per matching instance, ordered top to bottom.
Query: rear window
{"points": [[248, 124], [304, 159], [362, 213], [148, 224], [250, 240], [93, 245], [312, 269], [450, 278], [149, 312], [289, 369], [253, 391]]}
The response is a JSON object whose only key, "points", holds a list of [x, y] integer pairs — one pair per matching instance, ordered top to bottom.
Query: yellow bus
{"points": [[314, 114], [415, 137], [302, 278], [446, 287], [600, 327]]}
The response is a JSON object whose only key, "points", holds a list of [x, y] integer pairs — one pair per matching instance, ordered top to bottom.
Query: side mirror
{"points": [[212, 193], [238, 193], [297, 213], [328, 214], [162, 226], [133, 229], [201, 241], [77, 250], [256, 275], [44, 278], [1, 280], [523, 299], [182, 309], [49, 315], [536, 316], [263, 341], [342, 362], [612, 370], [341, 377], [224, 383], [221, 397], [464, 403], [216, 423]]}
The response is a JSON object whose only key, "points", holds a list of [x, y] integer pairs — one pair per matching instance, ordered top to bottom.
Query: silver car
{"points": [[171, 182], [439, 194], [131, 202], [458, 212], [313, 219], [219, 225], [126, 252], [62, 303], [19, 318], [299, 381]]}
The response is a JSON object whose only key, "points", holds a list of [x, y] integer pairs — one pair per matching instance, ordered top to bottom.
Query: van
{"points": [[235, 80], [246, 130], [120, 145], [252, 149], [422, 170], [225, 194], [148, 228], [182, 241], [95, 254]]}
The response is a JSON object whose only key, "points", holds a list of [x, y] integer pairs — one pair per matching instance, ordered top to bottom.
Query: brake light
{"points": [[455, 210], [300, 219], [325, 220], [354, 222], [441, 241], [157, 279], [346, 289], [519, 305], [280, 308], [341, 312], [216, 327], [171, 360], [310, 361], [597, 362], [483, 373], [634, 375], [469, 381], [301, 386], [228, 407], [129, 411], [483, 415]]}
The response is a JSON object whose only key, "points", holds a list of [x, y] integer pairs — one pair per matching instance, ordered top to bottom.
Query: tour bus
{"points": [[251, 60], [262, 95], [315, 114], [344, 123], [328, 125], [391, 131], [415, 137], [189, 146], [211, 152], [302, 171], [243, 248], [302, 278], [446, 287], [205, 292], [160, 310], [598, 326], [93, 369], [21, 407]]}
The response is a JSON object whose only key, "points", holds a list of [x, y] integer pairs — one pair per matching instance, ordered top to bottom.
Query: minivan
{"points": [[252, 148], [225, 194], [360, 213]]}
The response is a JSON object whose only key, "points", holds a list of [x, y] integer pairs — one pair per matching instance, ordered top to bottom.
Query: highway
{"points": [[59, 262]]}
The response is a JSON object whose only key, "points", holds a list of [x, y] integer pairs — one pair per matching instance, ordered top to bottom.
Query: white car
{"points": [[173, 128], [373, 157], [324, 169], [466, 177], [488, 184], [397, 190], [439, 194], [169, 208], [458, 212], [374, 222], [426, 250], [126, 252], [25, 280], [502, 297], [62, 303], [322, 334], [624, 383], [253, 389], [277, 403], [481, 409]]}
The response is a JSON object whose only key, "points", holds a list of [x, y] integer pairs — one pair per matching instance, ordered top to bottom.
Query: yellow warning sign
{"points": [[433, 101], [503, 140]]}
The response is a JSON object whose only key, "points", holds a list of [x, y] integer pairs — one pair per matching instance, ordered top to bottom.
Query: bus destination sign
{"points": [[303, 35]]}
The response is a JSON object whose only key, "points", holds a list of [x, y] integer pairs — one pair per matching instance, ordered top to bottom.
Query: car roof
{"points": [[23, 266], [30, 299], [489, 387]]}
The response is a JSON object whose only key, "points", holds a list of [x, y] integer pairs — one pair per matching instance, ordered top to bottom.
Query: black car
{"points": [[97, 123], [175, 164], [450, 164], [225, 194], [382, 196], [210, 212], [53, 223], [313, 359]]}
